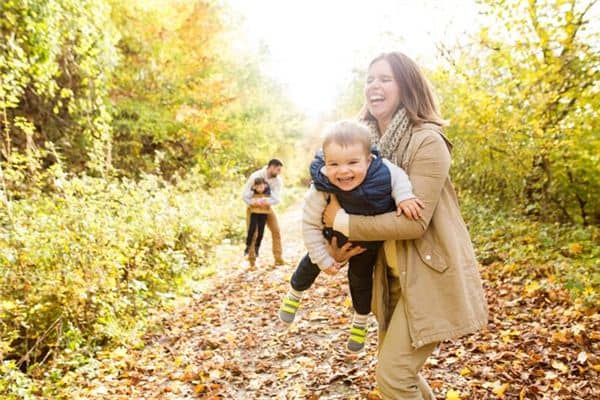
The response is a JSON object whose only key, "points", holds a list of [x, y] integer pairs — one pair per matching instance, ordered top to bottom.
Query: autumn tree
{"points": [[56, 57], [185, 99], [523, 102]]}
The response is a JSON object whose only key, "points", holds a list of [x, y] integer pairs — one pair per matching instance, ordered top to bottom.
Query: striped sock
{"points": [[295, 294], [290, 305], [360, 320], [358, 332]]}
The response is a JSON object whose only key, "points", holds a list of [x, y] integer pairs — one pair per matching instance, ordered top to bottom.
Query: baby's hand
{"points": [[411, 208], [333, 269]]}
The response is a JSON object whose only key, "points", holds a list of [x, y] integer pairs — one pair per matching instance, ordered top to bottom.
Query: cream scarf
{"points": [[394, 141]]}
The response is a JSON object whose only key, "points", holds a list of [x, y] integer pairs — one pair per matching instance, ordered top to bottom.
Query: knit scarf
{"points": [[395, 140]]}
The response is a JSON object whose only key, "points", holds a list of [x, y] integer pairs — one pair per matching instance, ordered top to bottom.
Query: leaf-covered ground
{"points": [[228, 343]]}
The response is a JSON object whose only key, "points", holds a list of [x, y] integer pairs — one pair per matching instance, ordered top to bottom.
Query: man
{"points": [[271, 174]]}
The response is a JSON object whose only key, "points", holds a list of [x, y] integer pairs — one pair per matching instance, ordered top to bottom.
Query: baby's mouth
{"points": [[346, 179]]}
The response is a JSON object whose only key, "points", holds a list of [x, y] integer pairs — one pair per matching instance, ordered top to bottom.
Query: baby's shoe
{"points": [[289, 307], [358, 335]]}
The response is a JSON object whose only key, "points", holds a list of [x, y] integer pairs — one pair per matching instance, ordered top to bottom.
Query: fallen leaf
{"points": [[560, 366], [499, 390], [452, 394]]}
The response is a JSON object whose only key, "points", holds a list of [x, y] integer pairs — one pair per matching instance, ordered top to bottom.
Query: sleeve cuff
{"points": [[404, 196], [341, 223], [328, 262]]}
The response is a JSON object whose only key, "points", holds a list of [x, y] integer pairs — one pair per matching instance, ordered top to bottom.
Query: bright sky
{"points": [[315, 44]]}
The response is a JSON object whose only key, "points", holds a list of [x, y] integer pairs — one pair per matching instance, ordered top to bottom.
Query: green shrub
{"points": [[82, 267]]}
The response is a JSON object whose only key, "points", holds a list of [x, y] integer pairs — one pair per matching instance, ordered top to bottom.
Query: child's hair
{"points": [[346, 133], [260, 180]]}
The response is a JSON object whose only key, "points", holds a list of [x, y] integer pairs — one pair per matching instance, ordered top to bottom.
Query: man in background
{"points": [[271, 173]]}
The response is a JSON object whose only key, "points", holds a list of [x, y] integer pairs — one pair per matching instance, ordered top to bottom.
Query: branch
{"points": [[578, 24], [542, 34]]}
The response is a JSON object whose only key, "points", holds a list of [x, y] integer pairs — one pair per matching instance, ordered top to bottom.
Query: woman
{"points": [[426, 284]]}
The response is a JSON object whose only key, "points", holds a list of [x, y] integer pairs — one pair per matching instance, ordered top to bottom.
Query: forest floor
{"points": [[227, 342]]}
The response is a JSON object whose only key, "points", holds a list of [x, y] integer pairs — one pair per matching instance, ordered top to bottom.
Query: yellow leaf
{"points": [[575, 248], [532, 287], [348, 302], [577, 328], [560, 336], [560, 366], [465, 371], [557, 385], [199, 388], [500, 389], [452, 394]]}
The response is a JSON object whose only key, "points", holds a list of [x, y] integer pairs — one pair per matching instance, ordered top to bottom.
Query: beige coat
{"points": [[436, 264]]}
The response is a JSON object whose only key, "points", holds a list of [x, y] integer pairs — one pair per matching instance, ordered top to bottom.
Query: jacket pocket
{"points": [[429, 255]]}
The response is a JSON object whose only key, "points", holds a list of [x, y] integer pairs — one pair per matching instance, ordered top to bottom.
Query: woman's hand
{"points": [[330, 211], [343, 254]]}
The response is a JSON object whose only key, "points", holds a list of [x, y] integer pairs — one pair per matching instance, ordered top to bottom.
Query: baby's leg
{"points": [[305, 274], [360, 277], [302, 279]]}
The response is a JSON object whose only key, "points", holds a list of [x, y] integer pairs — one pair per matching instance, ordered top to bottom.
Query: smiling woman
{"points": [[426, 286]]}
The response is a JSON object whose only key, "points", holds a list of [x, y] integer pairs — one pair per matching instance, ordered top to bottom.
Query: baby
{"points": [[364, 184]]}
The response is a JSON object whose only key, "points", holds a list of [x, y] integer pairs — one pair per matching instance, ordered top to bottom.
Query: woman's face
{"points": [[382, 93]]}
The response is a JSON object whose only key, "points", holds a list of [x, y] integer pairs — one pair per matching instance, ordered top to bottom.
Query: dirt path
{"points": [[229, 344]]}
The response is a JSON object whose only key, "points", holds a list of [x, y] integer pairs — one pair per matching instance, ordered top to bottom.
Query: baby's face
{"points": [[346, 166]]}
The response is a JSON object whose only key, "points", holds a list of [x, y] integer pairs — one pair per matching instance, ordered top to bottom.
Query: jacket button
{"points": [[428, 257]]}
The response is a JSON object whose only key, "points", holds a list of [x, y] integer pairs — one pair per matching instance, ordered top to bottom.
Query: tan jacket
{"points": [[258, 209], [436, 264]]}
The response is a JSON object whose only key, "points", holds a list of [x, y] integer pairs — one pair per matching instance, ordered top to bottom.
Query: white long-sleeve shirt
{"points": [[275, 184], [316, 201]]}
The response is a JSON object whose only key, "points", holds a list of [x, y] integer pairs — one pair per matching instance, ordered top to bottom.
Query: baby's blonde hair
{"points": [[346, 133]]}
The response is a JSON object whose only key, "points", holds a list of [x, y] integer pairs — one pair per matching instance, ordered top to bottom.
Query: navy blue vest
{"points": [[373, 196]]}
